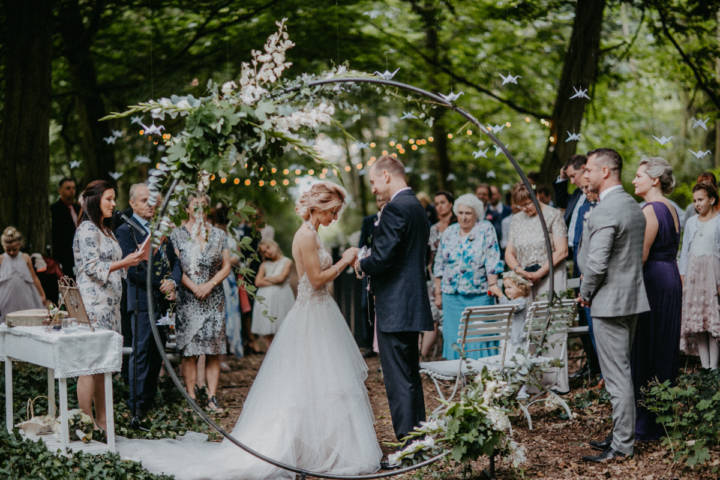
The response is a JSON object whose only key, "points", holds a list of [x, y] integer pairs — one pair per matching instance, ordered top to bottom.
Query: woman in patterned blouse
{"points": [[467, 264], [100, 269]]}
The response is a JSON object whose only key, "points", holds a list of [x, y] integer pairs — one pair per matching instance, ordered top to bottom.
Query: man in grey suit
{"points": [[612, 285]]}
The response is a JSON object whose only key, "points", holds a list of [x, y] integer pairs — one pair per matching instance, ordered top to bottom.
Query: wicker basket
{"points": [[30, 318]]}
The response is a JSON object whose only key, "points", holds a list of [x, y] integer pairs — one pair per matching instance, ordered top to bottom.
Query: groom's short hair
{"points": [[391, 164]]}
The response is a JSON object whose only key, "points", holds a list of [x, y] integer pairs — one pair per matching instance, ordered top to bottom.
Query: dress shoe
{"points": [[603, 444], [606, 456]]}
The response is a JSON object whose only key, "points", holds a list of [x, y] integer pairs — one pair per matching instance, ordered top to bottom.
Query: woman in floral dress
{"points": [[467, 264], [100, 272], [200, 324]]}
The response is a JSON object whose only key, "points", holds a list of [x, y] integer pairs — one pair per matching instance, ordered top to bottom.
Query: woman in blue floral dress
{"points": [[467, 264]]}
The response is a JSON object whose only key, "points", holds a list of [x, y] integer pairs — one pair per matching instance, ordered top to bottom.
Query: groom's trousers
{"points": [[399, 357]]}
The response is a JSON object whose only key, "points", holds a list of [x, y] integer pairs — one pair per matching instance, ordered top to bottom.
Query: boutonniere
{"points": [[489, 217], [377, 220]]}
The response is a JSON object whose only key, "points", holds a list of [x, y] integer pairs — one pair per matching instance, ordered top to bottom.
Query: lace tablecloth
{"points": [[69, 354]]}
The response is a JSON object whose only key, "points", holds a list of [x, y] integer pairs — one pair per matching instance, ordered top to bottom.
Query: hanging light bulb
{"points": [[469, 132], [450, 135], [273, 170], [286, 171], [297, 171], [311, 172], [223, 180], [236, 181], [247, 182], [286, 182], [261, 183], [273, 183]]}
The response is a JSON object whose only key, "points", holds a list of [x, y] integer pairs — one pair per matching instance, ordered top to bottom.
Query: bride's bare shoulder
{"points": [[304, 237]]}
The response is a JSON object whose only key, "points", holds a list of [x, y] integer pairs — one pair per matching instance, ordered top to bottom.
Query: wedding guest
{"points": [[572, 172], [544, 194], [444, 206], [430, 209], [691, 211], [499, 212], [65, 217], [505, 227], [525, 253], [610, 258], [251, 262], [467, 264], [100, 268], [700, 271], [20, 287], [515, 291], [275, 297], [233, 303], [367, 303], [200, 323], [656, 350], [145, 360]]}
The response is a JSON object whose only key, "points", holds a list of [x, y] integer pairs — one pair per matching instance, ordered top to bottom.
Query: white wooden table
{"points": [[65, 355]]}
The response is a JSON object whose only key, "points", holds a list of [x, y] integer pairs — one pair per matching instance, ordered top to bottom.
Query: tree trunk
{"points": [[429, 14], [579, 71], [24, 153], [99, 158]]}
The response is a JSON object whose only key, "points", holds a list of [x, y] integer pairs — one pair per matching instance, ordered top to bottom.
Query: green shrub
{"points": [[690, 413]]}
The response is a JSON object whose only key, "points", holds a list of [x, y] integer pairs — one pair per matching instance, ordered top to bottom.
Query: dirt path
{"points": [[554, 447]]}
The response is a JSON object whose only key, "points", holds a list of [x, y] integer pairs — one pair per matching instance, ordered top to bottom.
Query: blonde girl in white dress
{"points": [[274, 295]]}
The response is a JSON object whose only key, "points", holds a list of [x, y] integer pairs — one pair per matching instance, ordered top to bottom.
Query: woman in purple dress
{"points": [[656, 348]]}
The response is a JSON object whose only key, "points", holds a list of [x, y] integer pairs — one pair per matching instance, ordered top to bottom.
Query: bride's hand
{"points": [[350, 255]]}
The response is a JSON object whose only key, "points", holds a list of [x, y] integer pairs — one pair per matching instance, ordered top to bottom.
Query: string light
{"points": [[527, 119], [508, 124], [141, 132], [469, 132], [450, 135], [431, 139], [411, 141], [392, 143], [372, 144], [414, 147], [384, 152], [394, 155], [359, 166], [348, 168], [273, 170], [286, 171], [297, 171], [311, 172], [322, 176], [212, 177], [223, 180], [297, 180], [236, 181], [247, 182], [286, 182], [261, 183], [273, 183]]}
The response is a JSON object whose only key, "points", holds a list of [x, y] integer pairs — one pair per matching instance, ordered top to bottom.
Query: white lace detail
{"points": [[306, 293]]}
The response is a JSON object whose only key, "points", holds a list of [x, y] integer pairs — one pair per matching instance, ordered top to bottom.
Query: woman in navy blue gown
{"points": [[656, 348]]}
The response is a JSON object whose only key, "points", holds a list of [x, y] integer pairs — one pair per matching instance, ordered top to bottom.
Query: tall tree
{"points": [[579, 71], [24, 153]]}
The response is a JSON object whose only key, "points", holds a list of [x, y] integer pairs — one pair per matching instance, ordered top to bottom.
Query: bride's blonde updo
{"points": [[321, 196]]}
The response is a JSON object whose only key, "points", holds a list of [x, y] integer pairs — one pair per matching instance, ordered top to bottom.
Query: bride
{"points": [[308, 406]]}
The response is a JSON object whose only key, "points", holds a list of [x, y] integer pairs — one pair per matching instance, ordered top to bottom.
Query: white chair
{"points": [[548, 324], [478, 325]]}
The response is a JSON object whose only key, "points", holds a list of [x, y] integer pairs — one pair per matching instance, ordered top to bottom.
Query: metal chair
{"points": [[547, 324], [478, 325]]}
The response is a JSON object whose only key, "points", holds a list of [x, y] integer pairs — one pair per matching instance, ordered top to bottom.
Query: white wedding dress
{"points": [[308, 406]]}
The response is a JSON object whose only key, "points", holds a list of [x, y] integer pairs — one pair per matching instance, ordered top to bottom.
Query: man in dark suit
{"points": [[571, 172], [498, 210], [64, 215], [396, 266], [145, 360]]}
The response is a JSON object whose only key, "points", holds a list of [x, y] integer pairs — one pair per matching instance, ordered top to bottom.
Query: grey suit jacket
{"points": [[611, 257]]}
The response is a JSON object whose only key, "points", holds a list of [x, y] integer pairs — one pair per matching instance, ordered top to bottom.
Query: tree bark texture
{"points": [[579, 71], [24, 153], [98, 155]]}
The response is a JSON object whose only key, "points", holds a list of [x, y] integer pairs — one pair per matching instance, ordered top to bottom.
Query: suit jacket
{"points": [[565, 200], [496, 218], [63, 231], [610, 257], [165, 264], [397, 266]]}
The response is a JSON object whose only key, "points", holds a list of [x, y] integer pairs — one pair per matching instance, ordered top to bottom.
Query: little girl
{"points": [[699, 267], [20, 287], [517, 292], [274, 296]]}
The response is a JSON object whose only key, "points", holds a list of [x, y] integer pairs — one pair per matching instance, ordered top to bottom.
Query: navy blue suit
{"points": [[496, 218], [402, 308], [145, 358]]}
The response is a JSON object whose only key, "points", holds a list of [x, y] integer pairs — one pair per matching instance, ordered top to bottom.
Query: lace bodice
{"points": [[306, 292]]}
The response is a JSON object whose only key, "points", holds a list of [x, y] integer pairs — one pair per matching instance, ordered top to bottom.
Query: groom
{"points": [[396, 266]]}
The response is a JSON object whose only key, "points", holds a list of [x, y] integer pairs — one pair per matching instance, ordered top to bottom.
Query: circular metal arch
{"points": [[161, 348]]}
